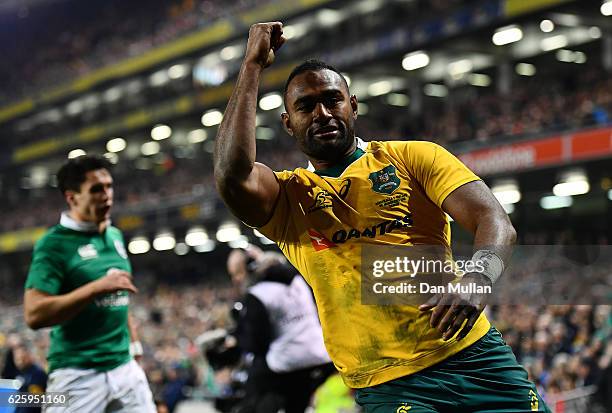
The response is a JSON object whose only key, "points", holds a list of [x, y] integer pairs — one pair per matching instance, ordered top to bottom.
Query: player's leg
{"points": [[489, 379], [87, 390], [130, 392]]}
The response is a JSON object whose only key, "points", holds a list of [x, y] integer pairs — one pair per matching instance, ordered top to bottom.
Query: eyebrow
{"points": [[325, 94]]}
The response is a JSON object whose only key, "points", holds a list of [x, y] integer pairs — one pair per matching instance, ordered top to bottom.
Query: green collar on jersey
{"points": [[336, 170]]}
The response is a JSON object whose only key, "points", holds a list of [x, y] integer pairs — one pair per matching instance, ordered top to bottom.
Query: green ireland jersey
{"points": [[68, 256]]}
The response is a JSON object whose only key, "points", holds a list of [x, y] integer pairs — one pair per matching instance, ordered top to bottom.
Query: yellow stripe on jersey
{"points": [[322, 222]]}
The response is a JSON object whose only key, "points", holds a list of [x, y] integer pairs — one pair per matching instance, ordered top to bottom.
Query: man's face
{"points": [[320, 115], [94, 200], [21, 358]]}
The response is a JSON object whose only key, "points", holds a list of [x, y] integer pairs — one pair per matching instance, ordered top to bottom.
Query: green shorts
{"points": [[483, 378]]}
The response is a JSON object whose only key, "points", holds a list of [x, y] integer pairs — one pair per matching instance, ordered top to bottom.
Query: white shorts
{"points": [[123, 389]]}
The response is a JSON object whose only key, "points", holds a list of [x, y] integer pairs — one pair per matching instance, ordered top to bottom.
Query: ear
{"points": [[354, 106], [286, 123], [70, 197]]}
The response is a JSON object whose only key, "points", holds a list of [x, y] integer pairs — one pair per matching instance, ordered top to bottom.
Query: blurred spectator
{"points": [[32, 377]]}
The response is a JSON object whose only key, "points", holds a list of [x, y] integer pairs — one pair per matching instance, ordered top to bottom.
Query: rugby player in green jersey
{"points": [[79, 284]]}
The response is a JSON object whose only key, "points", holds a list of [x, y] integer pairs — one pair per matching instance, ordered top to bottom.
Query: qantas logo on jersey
{"points": [[385, 181], [374, 231], [319, 242]]}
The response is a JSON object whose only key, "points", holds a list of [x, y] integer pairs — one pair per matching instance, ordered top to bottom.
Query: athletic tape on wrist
{"points": [[492, 264], [136, 348]]}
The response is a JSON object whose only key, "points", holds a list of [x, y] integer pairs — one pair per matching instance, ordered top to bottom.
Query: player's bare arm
{"points": [[248, 188], [475, 208], [44, 310]]}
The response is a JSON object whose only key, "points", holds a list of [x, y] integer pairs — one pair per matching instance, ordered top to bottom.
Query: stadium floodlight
{"points": [[606, 8], [329, 17], [566, 19], [547, 26], [294, 30], [594, 32], [506, 35], [554, 42], [232, 52], [564, 55], [568, 56], [580, 57], [415, 60], [460, 67], [525, 69], [178, 71], [159, 78], [479, 79], [134, 86], [381, 87], [435, 90], [113, 94], [398, 99], [91, 101], [270, 101], [75, 107], [212, 118], [161, 132], [197, 135], [116, 145], [150, 148], [75, 153], [112, 157], [39, 176], [574, 182], [571, 188], [507, 192], [610, 194], [556, 202], [509, 208], [227, 232], [196, 236], [164, 241], [240, 242], [139, 245], [208, 246], [181, 248]]}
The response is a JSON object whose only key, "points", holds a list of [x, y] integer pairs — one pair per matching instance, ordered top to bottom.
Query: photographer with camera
{"points": [[279, 330]]}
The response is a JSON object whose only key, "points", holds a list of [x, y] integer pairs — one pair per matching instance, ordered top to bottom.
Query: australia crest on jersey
{"points": [[385, 181]]}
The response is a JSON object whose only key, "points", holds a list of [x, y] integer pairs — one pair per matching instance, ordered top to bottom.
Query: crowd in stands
{"points": [[105, 34], [70, 45], [549, 103], [535, 107]]}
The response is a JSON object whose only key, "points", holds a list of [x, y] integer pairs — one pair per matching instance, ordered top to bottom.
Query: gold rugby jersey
{"points": [[387, 193]]}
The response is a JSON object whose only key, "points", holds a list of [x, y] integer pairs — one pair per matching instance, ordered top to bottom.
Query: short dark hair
{"points": [[311, 65], [72, 174]]}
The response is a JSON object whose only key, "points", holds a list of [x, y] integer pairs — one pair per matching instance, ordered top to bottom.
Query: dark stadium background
{"points": [[142, 81]]}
